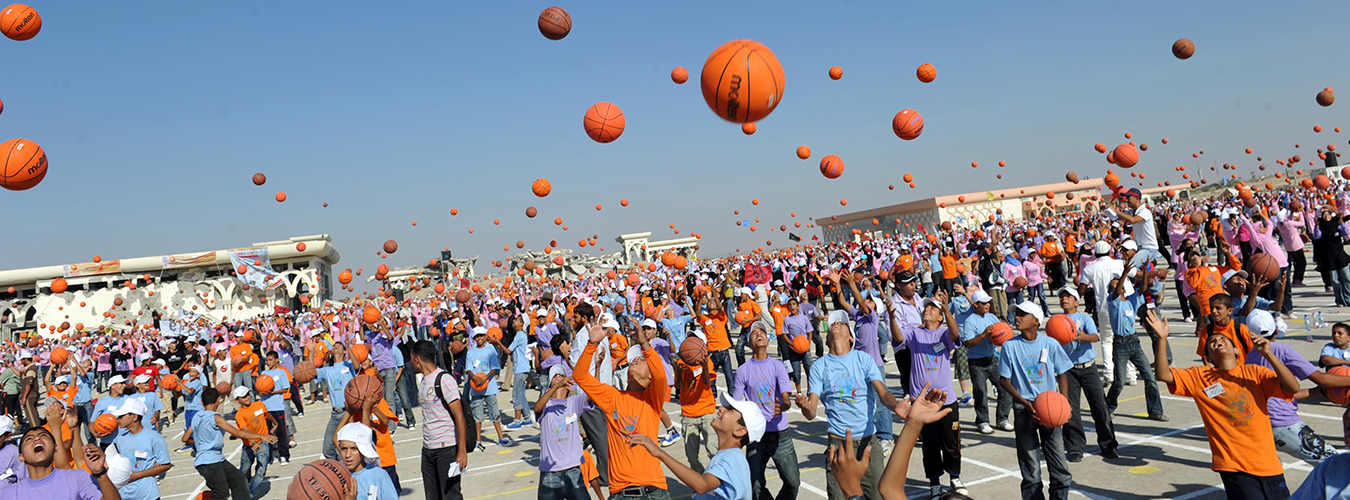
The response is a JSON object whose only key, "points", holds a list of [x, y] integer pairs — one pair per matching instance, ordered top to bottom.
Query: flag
{"points": [[990, 195], [794, 237], [815, 238], [755, 274]]}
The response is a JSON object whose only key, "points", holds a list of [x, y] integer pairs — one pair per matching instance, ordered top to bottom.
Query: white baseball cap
{"points": [[1129, 245], [1101, 248], [979, 296], [1032, 309], [838, 317], [649, 323], [556, 370], [64, 379], [117, 379], [142, 379], [239, 392], [130, 405], [750, 413], [6, 424], [360, 434], [119, 467]]}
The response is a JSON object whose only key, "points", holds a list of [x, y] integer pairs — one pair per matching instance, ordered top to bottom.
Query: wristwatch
{"points": [[105, 471], [856, 497]]}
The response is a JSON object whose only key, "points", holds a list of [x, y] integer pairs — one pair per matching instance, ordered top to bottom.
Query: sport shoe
{"points": [[965, 399], [1159, 417], [412, 426], [515, 426], [1005, 426], [985, 428], [670, 438], [506, 441], [292, 444], [482, 446], [886, 447], [1110, 453], [1073, 458], [959, 487], [935, 492]]}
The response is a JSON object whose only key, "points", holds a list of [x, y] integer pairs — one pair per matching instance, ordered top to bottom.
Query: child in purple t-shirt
{"points": [[931, 347], [559, 410]]}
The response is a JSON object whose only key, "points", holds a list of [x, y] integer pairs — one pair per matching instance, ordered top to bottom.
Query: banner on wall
{"points": [[189, 259], [92, 268], [258, 268]]}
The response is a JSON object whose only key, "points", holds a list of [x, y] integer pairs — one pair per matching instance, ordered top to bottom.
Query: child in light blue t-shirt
{"points": [[1337, 352], [727, 476]]}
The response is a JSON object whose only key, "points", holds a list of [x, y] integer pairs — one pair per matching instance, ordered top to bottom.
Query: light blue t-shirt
{"points": [[1262, 304], [1122, 314], [974, 325], [676, 328], [520, 348], [1082, 352], [1335, 352], [398, 358], [482, 360], [1033, 365], [335, 380], [844, 384], [82, 385], [192, 391], [275, 402], [152, 405], [103, 406], [210, 440], [145, 450], [730, 467], [1330, 480], [373, 483]]}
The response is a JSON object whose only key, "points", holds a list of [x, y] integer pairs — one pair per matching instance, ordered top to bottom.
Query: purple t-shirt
{"points": [[796, 325], [865, 331], [544, 334], [663, 349], [381, 350], [931, 351], [555, 360], [764, 382], [1283, 413], [560, 433], [61, 483]]}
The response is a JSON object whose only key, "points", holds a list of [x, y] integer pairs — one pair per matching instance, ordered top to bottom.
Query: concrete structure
{"points": [[637, 248], [202, 283]]}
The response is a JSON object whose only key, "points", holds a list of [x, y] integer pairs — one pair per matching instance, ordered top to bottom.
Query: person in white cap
{"points": [[748, 311], [649, 330], [982, 359], [1028, 365], [481, 366], [1083, 380], [764, 382], [193, 383], [117, 385], [850, 385], [146, 393], [252, 416], [738, 424], [208, 433], [356, 445], [145, 448], [560, 451], [10, 465]]}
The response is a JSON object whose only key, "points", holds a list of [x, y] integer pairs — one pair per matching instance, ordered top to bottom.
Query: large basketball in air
{"points": [[20, 22], [555, 23], [1183, 48], [926, 73], [743, 81], [604, 122], [908, 124], [1125, 155], [25, 164], [831, 166], [1264, 265], [370, 315], [1062, 327], [693, 351], [59, 356], [304, 372], [361, 388], [1338, 395], [1052, 409], [321, 480]]}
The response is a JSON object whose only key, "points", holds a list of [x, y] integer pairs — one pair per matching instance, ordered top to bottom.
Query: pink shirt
{"points": [[1289, 233], [1263, 238], [1034, 271]]}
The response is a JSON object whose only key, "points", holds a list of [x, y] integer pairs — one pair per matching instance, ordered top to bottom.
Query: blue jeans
{"points": [[1144, 255], [1341, 278], [1038, 292], [1014, 298], [423, 332], [741, 338], [1127, 351], [721, 361], [390, 378], [518, 392], [881, 417], [187, 424], [1034, 443], [329, 447], [254, 465], [563, 485]]}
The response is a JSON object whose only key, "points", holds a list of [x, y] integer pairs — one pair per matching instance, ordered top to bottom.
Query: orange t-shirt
{"points": [[1050, 252], [948, 266], [1208, 281], [747, 312], [778, 313], [715, 327], [1242, 339], [618, 350], [245, 351], [290, 381], [67, 395], [696, 397], [1232, 404], [629, 412], [252, 418], [65, 438], [384, 441]]}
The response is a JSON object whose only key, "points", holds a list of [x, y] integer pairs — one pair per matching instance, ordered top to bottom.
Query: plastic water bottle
{"points": [[1321, 320], [1307, 327]]}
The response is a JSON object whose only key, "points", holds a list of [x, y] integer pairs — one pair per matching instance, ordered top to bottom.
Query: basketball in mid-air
{"points": [[20, 22], [555, 23], [1183, 48], [926, 73], [679, 75], [743, 81], [604, 122], [907, 125], [1125, 155], [25, 164], [831, 166]]}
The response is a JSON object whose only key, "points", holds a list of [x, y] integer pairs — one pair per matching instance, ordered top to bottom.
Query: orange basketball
{"points": [[20, 22], [555, 23], [1183, 48], [836, 73], [927, 73], [679, 75], [743, 81], [604, 122], [907, 125], [749, 128], [803, 152], [1125, 155], [25, 162], [831, 166], [259, 179], [1112, 180], [1322, 182], [541, 188], [390, 246], [1263, 264], [462, 296], [370, 315], [1062, 328], [1000, 333], [800, 344], [693, 351], [59, 356], [305, 372], [170, 382], [264, 384], [223, 388], [361, 388], [1338, 395], [1052, 409], [105, 424], [321, 480]]}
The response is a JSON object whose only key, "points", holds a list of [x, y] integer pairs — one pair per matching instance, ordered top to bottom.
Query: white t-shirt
{"points": [[1145, 234], [1099, 274], [224, 369], [605, 373]]}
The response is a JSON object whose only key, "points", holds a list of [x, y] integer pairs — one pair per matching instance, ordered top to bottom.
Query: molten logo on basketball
{"points": [[19, 28], [733, 105]]}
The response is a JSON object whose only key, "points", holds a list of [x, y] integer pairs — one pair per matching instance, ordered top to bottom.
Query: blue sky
{"points": [[155, 115]]}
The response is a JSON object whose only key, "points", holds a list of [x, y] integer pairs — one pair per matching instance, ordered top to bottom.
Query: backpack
{"points": [[470, 438]]}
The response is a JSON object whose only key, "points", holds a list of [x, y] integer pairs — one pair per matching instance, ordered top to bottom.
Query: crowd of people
{"points": [[737, 343]]}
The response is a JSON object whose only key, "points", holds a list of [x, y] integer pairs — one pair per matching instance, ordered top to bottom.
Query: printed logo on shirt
{"points": [[1034, 369], [848, 389], [1241, 408], [627, 423], [562, 430]]}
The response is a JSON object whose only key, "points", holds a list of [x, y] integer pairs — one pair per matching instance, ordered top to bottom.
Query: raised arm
{"points": [[1162, 370]]}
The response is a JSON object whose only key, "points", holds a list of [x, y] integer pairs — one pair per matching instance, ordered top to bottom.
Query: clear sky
{"points": [[155, 115]]}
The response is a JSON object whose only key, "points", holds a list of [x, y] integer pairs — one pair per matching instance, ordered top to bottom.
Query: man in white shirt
{"points": [[1141, 224], [1098, 275]]}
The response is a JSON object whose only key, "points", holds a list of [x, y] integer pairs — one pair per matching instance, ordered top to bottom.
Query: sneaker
{"points": [[1299, 283], [1132, 382], [965, 399], [300, 415], [1159, 417], [412, 426], [515, 426], [1005, 426], [985, 428], [670, 438], [506, 441], [292, 443], [482, 446], [886, 447], [185, 449], [1110, 453], [1073, 458], [284, 461], [959, 487], [935, 492]]}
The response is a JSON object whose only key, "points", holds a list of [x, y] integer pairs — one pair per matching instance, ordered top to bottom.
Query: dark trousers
{"points": [[1299, 263], [1056, 274], [1187, 309], [1127, 352], [904, 362], [722, 363], [984, 371], [1086, 381], [295, 399], [11, 406], [597, 435], [1036, 442], [283, 445], [942, 446], [777, 447], [393, 476], [225, 481], [436, 482], [567, 484], [1243, 486]]}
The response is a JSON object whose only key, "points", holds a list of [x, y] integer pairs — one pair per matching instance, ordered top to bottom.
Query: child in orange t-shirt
{"points": [[1221, 323], [1232, 398], [696, 409], [252, 416]]}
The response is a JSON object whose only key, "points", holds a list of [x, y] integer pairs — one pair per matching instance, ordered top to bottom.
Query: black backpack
{"points": [[470, 436]]}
